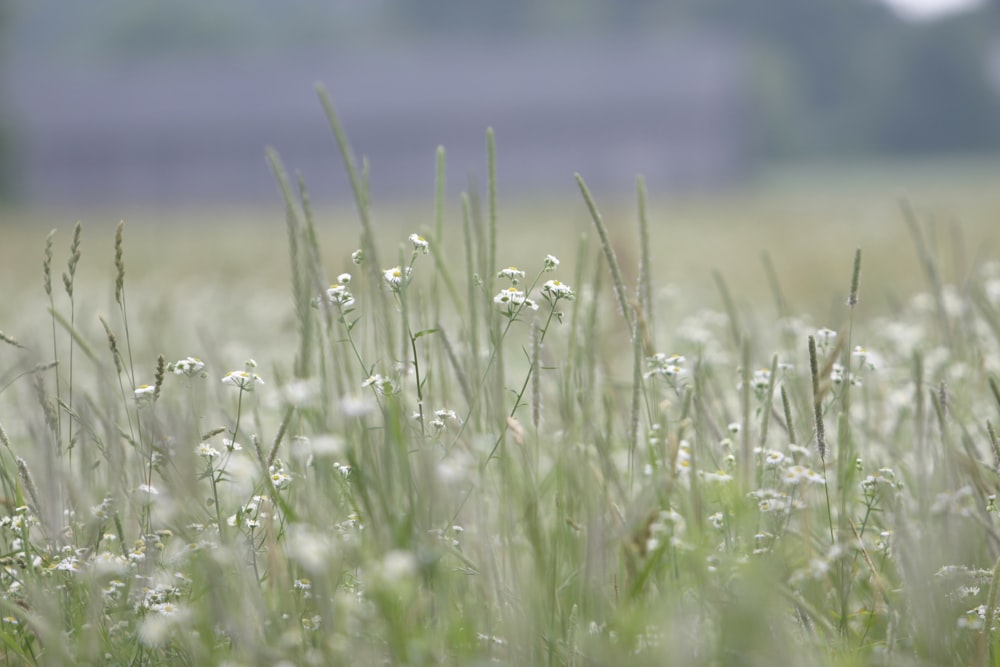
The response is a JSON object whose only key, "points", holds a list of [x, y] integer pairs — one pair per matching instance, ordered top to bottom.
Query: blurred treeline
{"points": [[826, 78]]}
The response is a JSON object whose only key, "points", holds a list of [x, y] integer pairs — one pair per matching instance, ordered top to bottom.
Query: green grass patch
{"points": [[474, 434]]}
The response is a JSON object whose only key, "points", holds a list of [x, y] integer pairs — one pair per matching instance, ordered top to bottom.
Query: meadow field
{"points": [[748, 428]]}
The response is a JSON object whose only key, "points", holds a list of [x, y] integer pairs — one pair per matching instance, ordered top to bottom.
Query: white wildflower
{"points": [[420, 244], [512, 273], [395, 276], [555, 290], [339, 295], [511, 299], [190, 366], [670, 367], [245, 379], [761, 379], [382, 385], [144, 394], [232, 446], [207, 451], [773, 458], [798, 474], [279, 478]]}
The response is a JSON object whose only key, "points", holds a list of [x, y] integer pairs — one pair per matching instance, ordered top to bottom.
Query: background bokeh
{"points": [[172, 103], [782, 126]]}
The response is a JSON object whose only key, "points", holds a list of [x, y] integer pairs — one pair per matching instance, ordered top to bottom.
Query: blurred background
{"points": [[173, 103], [786, 125]]}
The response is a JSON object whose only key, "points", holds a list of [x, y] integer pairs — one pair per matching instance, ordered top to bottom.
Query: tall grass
{"points": [[464, 462]]}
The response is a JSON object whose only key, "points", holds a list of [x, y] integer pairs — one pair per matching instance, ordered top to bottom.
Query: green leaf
{"points": [[425, 332]]}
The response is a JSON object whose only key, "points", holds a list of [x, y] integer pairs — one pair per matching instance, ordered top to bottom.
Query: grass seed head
{"points": [[119, 262], [47, 264], [852, 300]]}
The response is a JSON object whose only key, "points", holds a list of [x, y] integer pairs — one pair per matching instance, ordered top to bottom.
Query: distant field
{"points": [[809, 219]]}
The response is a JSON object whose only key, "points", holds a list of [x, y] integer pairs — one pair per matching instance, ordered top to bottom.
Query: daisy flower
{"points": [[420, 244], [511, 273], [394, 277], [555, 290], [339, 294], [511, 298], [671, 366], [190, 367], [242, 379], [245, 379], [145, 394], [207, 451], [280, 478]]}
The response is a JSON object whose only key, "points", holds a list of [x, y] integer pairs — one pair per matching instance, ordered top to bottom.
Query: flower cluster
{"points": [[511, 273], [553, 290], [339, 294], [512, 299], [190, 367], [670, 367], [246, 379], [761, 379], [441, 419], [207, 451], [798, 474], [279, 476], [250, 514]]}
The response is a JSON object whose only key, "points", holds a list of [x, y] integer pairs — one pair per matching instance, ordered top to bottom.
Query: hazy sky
{"points": [[926, 9]]}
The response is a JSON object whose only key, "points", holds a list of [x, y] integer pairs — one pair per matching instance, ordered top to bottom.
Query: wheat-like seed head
{"points": [[74, 250], [74, 258], [119, 263], [47, 264], [852, 300], [113, 344], [161, 369], [817, 407], [51, 419], [4, 439], [29, 484]]}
